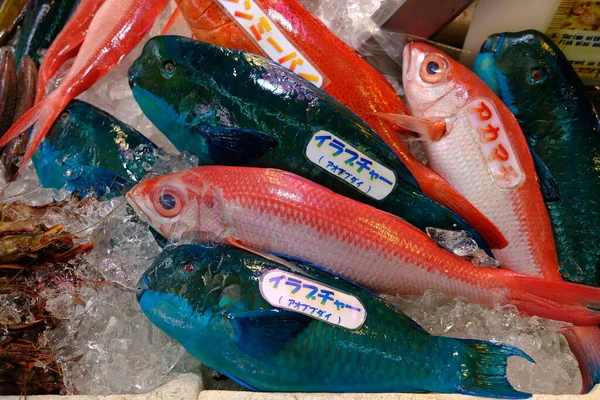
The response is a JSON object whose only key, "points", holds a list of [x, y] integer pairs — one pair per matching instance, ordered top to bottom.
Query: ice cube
{"points": [[555, 371]]}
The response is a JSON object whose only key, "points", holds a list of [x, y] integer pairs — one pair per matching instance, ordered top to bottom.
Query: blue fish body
{"points": [[536, 81], [89, 152], [209, 299]]}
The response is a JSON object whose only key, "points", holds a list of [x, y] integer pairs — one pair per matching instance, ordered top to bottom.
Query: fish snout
{"points": [[492, 44], [131, 76], [142, 286]]}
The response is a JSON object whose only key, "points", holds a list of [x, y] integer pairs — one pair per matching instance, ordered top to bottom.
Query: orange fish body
{"points": [[115, 30], [67, 43], [343, 74], [484, 154], [278, 212]]}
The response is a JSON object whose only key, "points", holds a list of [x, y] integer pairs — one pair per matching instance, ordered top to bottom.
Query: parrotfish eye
{"points": [[434, 68], [168, 69], [537, 75], [64, 116], [167, 202], [188, 268]]}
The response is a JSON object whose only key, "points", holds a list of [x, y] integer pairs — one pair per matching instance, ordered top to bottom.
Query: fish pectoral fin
{"points": [[429, 130], [236, 146], [548, 185], [271, 257], [265, 332]]}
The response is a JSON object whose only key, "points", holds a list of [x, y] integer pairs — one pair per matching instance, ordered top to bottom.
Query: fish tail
{"points": [[172, 20], [41, 117], [558, 300], [585, 345], [488, 379]]}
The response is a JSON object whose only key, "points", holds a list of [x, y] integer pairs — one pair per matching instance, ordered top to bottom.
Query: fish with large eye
{"points": [[433, 68], [167, 202]]}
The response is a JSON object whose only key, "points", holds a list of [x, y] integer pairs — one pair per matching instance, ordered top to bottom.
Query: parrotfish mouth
{"points": [[485, 62]]}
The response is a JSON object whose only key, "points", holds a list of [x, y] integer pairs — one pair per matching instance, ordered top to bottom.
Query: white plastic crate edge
{"points": [[189, 387]]}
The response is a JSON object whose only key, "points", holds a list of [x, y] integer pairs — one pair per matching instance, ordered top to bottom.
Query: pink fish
{"points": [[116, 29], [483, 153], [272, 211]]}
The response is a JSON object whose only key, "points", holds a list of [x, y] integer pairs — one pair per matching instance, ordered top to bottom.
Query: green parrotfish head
{"points": [[529, 73], [186, 290]]}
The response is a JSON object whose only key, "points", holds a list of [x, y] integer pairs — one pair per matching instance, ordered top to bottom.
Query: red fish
{"points": [[116, 29], [288, 33], [67, 43], [484, 154], [278, 212]]}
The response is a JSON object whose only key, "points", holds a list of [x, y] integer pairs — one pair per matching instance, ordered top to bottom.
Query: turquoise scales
{"points": [[43, 21], [538, 84], [234, 108], [90, 152], [208, 299]]}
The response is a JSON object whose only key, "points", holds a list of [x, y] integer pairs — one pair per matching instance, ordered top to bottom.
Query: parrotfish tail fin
{"points": [[174, 17], [41, 117], [429, 130], [557, 300], [585, 345], [489, 376]]}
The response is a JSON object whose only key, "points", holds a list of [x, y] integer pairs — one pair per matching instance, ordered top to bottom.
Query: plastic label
{"points": [[270, 39], [497, 151], [347, 163], [302, 295]]}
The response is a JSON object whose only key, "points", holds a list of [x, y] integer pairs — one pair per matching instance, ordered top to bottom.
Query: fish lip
{"points": [[493, 44], [406, 58], [136, 207], [142, 286]]}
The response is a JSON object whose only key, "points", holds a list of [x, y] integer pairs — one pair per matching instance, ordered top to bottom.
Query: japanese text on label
{"points": [[270, 39], [497, 150], [347, 163], [296, 293]]}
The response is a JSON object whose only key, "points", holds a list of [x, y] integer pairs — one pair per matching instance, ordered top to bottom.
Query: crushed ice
{"points": [[463, 245], [105, 344], [555, 370]]}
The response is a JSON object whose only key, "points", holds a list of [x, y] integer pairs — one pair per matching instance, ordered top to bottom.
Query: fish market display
{"points": [[11, 13], [43, 21], [116, 28], [288, 33], [67, 43], [252, 111], [563, 129], [15, 149], [88, 151], [307, 206], [278, 212], [202, 294]]}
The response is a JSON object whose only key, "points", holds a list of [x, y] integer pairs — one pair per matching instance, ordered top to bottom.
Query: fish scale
{"points": [[254, 112], [517, 210], [278, 212], [321, 356]]}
